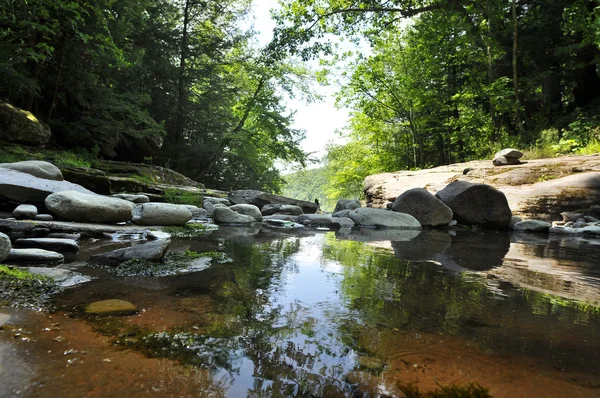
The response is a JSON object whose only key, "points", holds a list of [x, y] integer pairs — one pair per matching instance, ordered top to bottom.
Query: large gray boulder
{"points": [[21, 126], [37, 168], [22, 187], [260, 199], [346, 204], [476, 204], [422, 205], [211, 206], [83, 207], [270, 209], [248, 210], [25, 212], [161, 214], [224, 215], [379, 218], [325, 221], [5, 246], [152, 251]]}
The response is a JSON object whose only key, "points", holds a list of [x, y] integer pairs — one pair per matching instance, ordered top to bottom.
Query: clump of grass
{"points": [[181, 197], [190, 230], [20, 288], [473, 390]]}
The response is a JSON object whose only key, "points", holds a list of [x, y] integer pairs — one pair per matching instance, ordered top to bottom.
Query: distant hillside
{"points": [[309, 185]]}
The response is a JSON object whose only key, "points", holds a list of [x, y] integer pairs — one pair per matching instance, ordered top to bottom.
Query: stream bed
{"points": [[367, 314]]}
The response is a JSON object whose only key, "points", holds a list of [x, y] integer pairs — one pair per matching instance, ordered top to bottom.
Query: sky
{"points": [[321, 119]]}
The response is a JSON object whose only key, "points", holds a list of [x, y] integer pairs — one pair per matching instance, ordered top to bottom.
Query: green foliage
{"points": [[309, 184], [189, 230]]}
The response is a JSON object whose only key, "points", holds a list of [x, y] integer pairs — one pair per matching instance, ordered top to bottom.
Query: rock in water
{"points": [[18, 125], [509, 153], [504, 161], [37, 168], [23, 187], [259, 199], [346, 204], [476, 204], [422, 205], [83, 207], [248, 210], [269, 210], [27, 212], [161, 214], [224, 215], [368, 217], [325, 221], [532, 226], [54, 244], [5, 246], [152, 251], [34, 256], [111, 307]]}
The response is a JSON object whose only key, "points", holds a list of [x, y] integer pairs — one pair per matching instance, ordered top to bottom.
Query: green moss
{"points": [[16, 153], [183, 197], [191, 230], [20, 288], [454, 391]]}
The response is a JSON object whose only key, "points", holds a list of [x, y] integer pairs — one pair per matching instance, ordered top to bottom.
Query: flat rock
{"points": [[509, 153], [37, 168], [22, 187], [133, 198], [260, 199], [346, 204], [476, 204], [422, 205], [83, 207], [270, 209], [248, 210], [25, 212], [161, 214], [224, 215], [44, 217], [379, 218], [325, 221], [281, 224], [532, 226], [62, 235], [53, 244], [5, 246], [151, 251], [34, 256], [64, 277], [111, 307]]}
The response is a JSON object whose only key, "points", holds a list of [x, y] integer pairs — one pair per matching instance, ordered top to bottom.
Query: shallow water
{"points": [[323, 315]]}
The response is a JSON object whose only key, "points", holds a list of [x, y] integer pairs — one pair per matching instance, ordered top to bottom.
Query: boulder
{"points": [[20, 126], [509, 153], [504, 161], [37, 168], [92, 179], [22, 187], [133, 198], [260, 199], [213, 200], [346, 204], [476, 204], [422, 205], [83, 207], [210, 207], [270, 209], [248, 210], [25, 212], [197, 212], [342, 213], [161, 214], [224, 215], [44, 217], [379, 218], [325, 221], [513, 221], [532, 226], [53, 244], [5, 246], [152, 251], [34, 256], [111, 307]]}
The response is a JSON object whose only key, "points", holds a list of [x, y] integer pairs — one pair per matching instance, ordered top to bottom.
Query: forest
{"points": [[179, 83]]}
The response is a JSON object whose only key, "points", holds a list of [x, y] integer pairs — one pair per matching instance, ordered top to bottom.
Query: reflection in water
{"points": [[324, 315]]}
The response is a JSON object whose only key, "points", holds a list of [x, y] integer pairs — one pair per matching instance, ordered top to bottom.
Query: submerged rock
{"points": [[37, 168], [476, 204], [422, 205], [83, 207], [248, 210], [161, 214], [368, 217], [325, 221], [54, 244], [5, 246], [152, 251], [34, 256], [63, 277], [111, 307]]}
